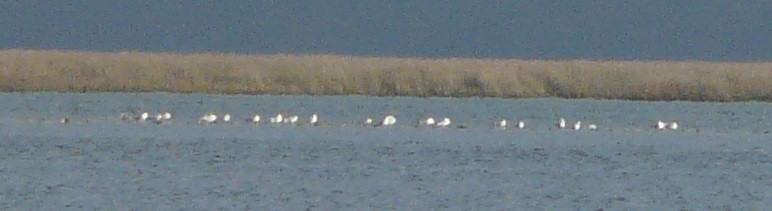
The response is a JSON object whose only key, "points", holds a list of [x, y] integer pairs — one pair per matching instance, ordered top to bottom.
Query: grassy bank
{"points": [[69, 71]]}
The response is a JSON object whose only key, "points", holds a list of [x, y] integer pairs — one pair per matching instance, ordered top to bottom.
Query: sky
{"points": [[708, 30]]}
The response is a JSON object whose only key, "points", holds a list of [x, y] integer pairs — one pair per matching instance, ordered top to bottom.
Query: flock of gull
{"points": [[388, 120]]}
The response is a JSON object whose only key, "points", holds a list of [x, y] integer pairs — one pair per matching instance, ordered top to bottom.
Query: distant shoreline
{"points": [[80, 71]]}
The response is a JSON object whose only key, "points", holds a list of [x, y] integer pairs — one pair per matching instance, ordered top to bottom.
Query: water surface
{"points": [[719, 158]]}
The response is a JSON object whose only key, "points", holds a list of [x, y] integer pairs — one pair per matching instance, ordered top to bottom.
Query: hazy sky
{"points": [[719, 30]]}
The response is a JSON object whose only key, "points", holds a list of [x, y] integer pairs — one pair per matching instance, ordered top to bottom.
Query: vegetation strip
{"points": [[75, 71]]}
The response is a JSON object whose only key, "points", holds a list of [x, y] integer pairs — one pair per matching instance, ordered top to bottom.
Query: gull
{"points": [[167, 115], [144, 116], [130, 117], [208, 118], [226, 118], [158, 119], [256, 119], [277, 119], [314, 119], [64, 120], [291, 120], [389, 120], [368, 121], [429, 121], [444, 123], [502, 123], [562, 123], [520, 124], [578, 125], [661, 125], [673, 125], [592, 127]]}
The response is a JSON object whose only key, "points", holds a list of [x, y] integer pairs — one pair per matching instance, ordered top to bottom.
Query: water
{"points": [[718, 159]]}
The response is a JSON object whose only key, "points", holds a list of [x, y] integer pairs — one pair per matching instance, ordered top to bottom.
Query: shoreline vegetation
{"points": [[81, 71]]}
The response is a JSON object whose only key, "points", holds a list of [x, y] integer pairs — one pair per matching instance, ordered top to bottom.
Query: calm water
{"points": [[718, 159]]}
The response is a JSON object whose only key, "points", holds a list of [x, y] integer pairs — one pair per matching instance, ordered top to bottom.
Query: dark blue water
{"points": [[629, 30]]}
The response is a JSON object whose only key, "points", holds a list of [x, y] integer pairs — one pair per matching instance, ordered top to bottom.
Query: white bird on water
{"points": [[167, 115], [144, 116], [208, 118], [226, 118], [256, 119], [277, 119], [314, 119], [291, 120], [389, 120], [368, 121], [429, 121], [444, 123], [502, 123], [562, 123], [520, 124], [578, 125], [661, 125], [673, 125], [592, 127]]}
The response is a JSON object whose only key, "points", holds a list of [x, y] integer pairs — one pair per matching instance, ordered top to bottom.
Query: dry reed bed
{"points": [[72, 71]]}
